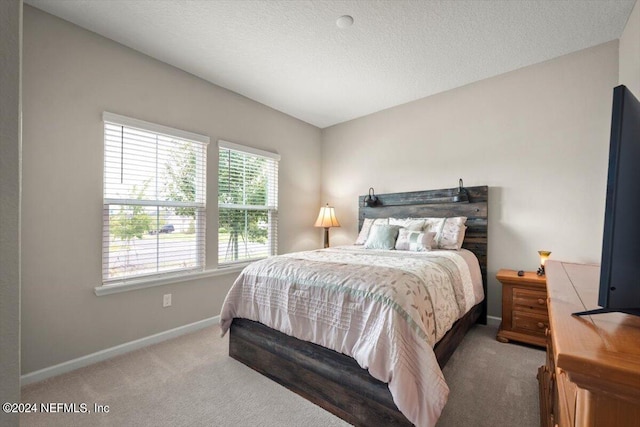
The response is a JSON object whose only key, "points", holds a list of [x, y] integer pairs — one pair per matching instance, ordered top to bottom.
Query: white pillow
{"points": [[412, 224], [366, 228], [449, 231], [461, 234], [409, 240]]}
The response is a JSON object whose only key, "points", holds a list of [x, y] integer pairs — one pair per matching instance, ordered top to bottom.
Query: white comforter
{"points": [[386, 309]]}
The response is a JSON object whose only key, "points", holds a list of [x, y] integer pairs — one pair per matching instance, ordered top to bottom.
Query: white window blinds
{"points": [[154, 199], [247, 202]]}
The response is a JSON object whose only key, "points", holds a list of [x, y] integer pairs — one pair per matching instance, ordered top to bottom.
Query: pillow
{"points": [[408, 223], [366, 228], [449, 231], [461, 234], [382, 237], [415, 240]]}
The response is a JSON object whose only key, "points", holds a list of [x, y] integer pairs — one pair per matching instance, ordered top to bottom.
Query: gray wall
{"points": [[630, 52], [70, 77], [538, 137], [10, 152]]}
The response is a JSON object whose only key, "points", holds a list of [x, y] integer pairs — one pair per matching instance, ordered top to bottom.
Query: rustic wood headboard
{"points": [[439, 204]]}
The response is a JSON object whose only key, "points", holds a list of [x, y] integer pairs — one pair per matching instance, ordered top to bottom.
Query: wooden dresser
{"points": [[524, 307], [592, 373]]}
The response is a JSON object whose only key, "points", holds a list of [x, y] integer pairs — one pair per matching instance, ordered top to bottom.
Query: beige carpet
{"points": [[190, 381], [492, 384]]}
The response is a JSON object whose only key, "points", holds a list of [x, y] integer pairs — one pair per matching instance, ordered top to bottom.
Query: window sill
{"points": [[160, 281]]}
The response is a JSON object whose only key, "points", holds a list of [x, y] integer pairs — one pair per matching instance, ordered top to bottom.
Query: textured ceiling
{"points": [[291, 56]]}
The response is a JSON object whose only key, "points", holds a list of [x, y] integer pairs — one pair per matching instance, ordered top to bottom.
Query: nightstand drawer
{"points": [[529, 299], [530, 322]]}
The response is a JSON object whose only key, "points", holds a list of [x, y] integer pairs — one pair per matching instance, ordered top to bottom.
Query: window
{"points": [[154, 200], [247, 202]]}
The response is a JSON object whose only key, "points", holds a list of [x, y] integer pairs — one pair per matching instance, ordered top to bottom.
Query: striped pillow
{"points": [[415, 240]]}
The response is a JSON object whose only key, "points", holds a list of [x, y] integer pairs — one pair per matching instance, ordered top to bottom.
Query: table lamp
{"points": [[327, 219], [544, 255]]}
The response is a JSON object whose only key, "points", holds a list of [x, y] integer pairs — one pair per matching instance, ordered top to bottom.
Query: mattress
{"points": [[385, 309]]}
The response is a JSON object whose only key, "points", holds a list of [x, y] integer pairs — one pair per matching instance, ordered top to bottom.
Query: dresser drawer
{"points": [[530, 299], [530, 322], [551, 364], [564, 405]]}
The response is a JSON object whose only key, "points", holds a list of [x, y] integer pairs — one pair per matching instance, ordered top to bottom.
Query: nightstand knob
{"points": [[540, 301], [540, 325]]}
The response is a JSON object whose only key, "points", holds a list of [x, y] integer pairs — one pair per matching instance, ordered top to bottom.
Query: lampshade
{"points": [[327, 217], [544, 255]]}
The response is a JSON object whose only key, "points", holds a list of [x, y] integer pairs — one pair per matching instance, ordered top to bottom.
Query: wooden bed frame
{"points": [[335, 381]]}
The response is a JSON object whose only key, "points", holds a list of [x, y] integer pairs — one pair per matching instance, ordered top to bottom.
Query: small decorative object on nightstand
{"points": [[524, 307]]}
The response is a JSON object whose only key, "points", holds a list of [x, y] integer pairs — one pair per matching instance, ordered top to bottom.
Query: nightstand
{"points": [[524, 307]]}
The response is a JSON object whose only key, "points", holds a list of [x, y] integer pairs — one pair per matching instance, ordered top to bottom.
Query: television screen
{"points": [[620, 267]]}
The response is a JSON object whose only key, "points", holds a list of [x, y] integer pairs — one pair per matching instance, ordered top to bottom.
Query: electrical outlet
{"points": [[166, 300]]}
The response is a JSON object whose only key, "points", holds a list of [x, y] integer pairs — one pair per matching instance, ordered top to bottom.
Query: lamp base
{"points": [[326, 237]]}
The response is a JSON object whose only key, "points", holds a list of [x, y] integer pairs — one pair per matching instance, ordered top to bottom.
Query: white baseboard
{"points": [[494, 321], [108, 353]]}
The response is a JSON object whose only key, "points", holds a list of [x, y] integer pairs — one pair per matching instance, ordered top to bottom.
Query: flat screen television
{"points": [[620, 268]]}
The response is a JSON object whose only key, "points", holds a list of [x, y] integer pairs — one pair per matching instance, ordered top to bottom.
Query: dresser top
{"points": [[601, 351]]}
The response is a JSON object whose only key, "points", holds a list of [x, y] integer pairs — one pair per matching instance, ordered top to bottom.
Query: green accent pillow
{"points": [[382, 237]]}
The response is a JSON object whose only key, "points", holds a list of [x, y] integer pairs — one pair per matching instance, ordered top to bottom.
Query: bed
{"points": [[335, 380]]}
